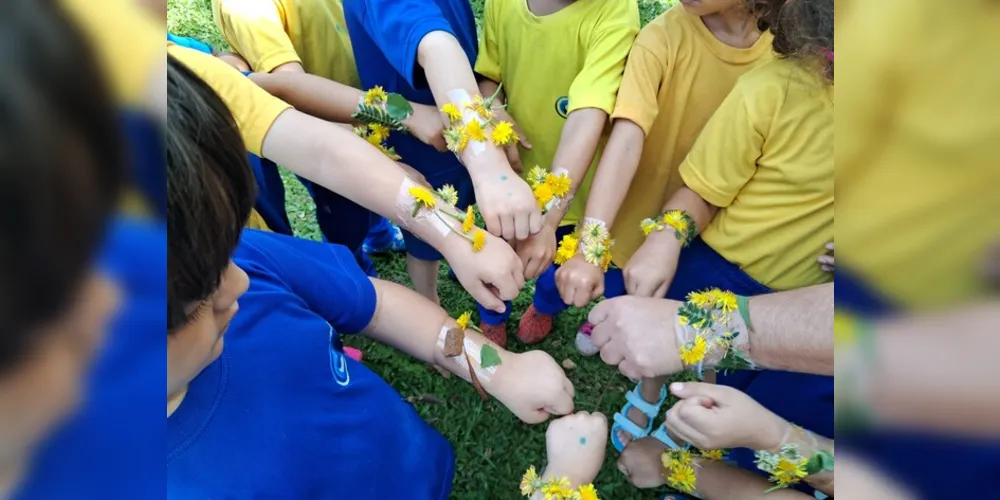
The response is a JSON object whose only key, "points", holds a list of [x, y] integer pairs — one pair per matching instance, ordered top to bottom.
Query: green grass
{"points": [[492, 447]]}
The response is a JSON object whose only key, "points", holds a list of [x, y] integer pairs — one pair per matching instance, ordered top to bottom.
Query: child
{"points": [[424, 50], [683, 63], [564, 114], [344, 163], [758, 184], [280, 411]]}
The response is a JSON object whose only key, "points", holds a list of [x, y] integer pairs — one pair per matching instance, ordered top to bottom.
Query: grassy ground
{"points": [[492, 447]]}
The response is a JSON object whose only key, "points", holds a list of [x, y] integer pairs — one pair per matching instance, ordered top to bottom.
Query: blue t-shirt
{"points": [[385, 35], [283, 413], [112, 448]]}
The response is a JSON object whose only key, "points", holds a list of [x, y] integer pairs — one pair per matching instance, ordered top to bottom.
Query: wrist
{"points": [[772, 434], [556, 472]]}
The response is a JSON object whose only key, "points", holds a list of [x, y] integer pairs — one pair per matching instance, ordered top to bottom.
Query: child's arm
{"points": [[337, 102], [721, 162], [530, 384]]}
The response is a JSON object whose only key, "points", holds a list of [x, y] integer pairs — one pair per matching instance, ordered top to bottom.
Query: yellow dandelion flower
{"points": [[375, 95], [479, 106], [452, 112], [379, 130], [475, 131], [361, 132], [503, 134], [456, 139], [374, 140], [390, 152], [536, 176], [560, 184], [448, 194], [543, 195], [422, 196], [676, 220], [469, 221], [648, 226], [478, 240], [567, 249], [595, 254], [607, 257], [701, 299], [724, 300], [683, 320], [463, 322], [693, 352], [713, 454], [790, 472], [682, 478], [529, 481], [556, 490], [588, 492]]}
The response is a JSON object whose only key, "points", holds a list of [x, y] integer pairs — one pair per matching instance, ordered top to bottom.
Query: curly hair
{"points": [[802, 29]]}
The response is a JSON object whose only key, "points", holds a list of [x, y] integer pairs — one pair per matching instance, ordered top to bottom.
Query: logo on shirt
{"points": [[562, 104], [338, 362]]}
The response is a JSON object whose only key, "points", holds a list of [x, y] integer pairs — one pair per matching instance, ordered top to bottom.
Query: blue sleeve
{"points": [[397, 26], [191, 43], [324, 275]]}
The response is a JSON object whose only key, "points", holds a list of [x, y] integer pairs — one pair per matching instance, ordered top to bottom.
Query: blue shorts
{"points": [[459, 179], [270, 201]]}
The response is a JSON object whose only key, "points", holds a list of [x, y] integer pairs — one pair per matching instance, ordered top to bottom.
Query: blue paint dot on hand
{"points": [[503, 177], [583, 441]]}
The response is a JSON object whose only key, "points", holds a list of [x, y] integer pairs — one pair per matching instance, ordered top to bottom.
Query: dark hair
{"points": [[803, 29], [61, 168], [210, 191]]}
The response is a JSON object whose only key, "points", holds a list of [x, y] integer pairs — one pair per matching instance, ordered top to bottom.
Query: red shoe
{"points": [[534, 326], [496, 333], [353, 353]]}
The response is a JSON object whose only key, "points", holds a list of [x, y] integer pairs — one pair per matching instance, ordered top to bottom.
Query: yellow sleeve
{"points": [[256, 30], [127, 41], [488, 61], [596, 86], [637, 100], [253, 108], [724, 156]]}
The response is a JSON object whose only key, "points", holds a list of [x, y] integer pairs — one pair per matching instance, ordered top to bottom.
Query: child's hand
{"points": [[426, 125], [505, 199], [537, 251], [826, 261], [651, 269], [491, 275], [579, 281], [532, 386], [712, 417], [575, 445], [640, 463]]}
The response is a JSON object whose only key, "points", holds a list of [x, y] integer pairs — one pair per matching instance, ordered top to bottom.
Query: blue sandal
{"points": [[622, 423], [661, 435]]}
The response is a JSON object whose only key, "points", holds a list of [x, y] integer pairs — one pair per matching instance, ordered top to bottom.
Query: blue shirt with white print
{"points": [[283, 413]]}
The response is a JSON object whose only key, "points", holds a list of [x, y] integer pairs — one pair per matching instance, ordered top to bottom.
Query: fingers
{"points": [[514, 158], [535, 221], [492, 223], [508, 229], [531, 267], [507, 285], [485, 296], [601, 311], [609, 354], [630, 370], [568, 387], [685, 390], [563, 405], [535, 417], [681, 429]]}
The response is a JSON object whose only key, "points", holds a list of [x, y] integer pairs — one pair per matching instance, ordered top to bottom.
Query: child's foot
{"points": [[534, 326], [495, 333], [583, 344], [638, 418]]}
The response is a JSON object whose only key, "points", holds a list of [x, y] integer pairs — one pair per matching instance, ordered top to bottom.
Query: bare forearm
{"points": [[312, 94], [577, 146], [615, 171], [691, 202], [793, 330], [717, 480]]}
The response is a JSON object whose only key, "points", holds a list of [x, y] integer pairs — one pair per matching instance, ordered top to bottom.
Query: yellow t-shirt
{"points": [[269, 33], [127, 41], [553, 65], [677, 75], [252, 107], [917, 134], [766, 159]]}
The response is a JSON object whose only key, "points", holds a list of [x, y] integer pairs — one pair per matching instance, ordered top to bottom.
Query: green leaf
{"points": [[398, 107], [490, 357], [822, 461]]}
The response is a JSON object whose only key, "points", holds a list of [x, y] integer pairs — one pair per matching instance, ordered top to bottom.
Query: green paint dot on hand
{"points": [[503, 177], [583, 441]]}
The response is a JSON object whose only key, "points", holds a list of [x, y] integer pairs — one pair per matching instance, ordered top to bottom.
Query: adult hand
{"points": [[426, 125], [513, 155], [505, 200], [536, 252], [651, 269], [491, 275], [579, 281], [637, 334], [532, 386], [713, 417], [575, 446]]}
